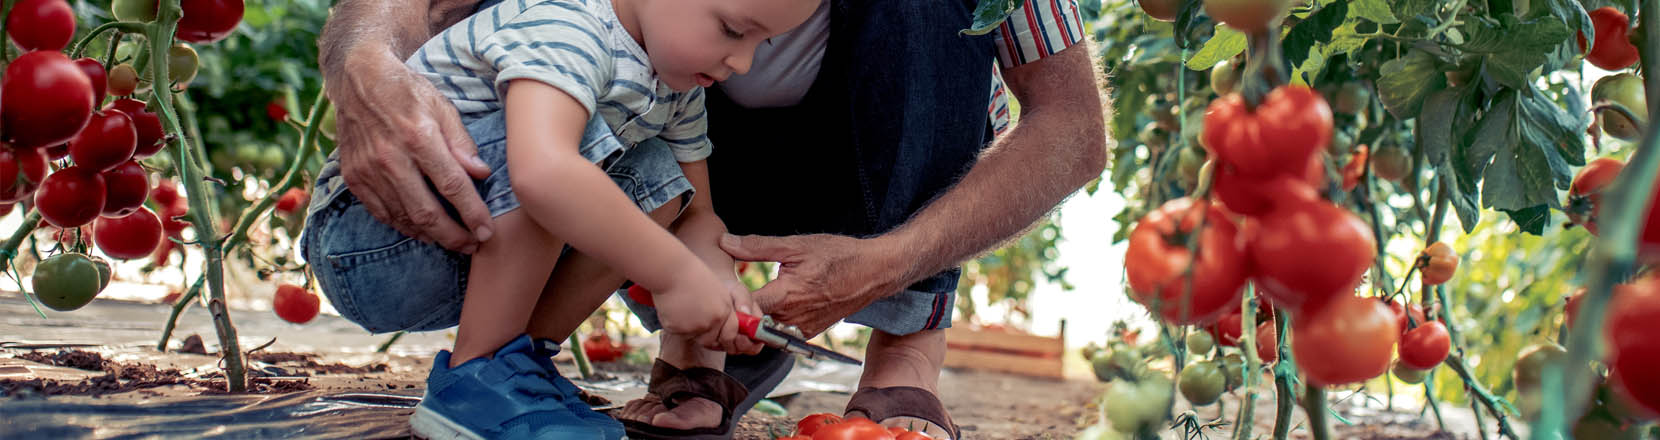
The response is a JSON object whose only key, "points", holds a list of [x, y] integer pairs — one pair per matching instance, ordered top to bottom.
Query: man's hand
{"points": [[396, 131], [822, 278]]}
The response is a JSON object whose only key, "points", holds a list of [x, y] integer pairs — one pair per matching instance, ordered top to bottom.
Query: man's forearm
{"points": [[395, 26], [1057, 147]]}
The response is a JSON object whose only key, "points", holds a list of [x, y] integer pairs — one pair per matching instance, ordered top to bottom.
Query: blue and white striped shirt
{"points": [[577, 46]]}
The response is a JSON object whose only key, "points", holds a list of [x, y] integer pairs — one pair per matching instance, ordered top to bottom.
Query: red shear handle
{"points": [[748, 324]]}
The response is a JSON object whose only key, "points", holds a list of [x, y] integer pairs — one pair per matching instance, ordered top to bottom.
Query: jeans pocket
{"points": [[385, 281]]}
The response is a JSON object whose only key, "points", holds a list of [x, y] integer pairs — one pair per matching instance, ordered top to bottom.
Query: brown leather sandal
{"points": [[675, 386], [880, 404]]}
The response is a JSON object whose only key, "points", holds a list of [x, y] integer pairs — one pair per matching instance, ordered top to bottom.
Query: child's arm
{"points": [[571, 198], [701, 230]]}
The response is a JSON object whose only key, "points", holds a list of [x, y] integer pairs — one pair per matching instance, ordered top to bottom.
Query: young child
{"points": [[549, 89]]}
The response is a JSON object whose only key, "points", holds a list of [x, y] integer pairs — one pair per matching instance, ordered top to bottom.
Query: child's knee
{"points": [[666, 215]]}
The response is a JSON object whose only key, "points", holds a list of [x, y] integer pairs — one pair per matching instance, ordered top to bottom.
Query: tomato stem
{"points": [[129, 27], [5, 39], [308, 145], [1614, 256], [178, 307], [1247, 345], [387, 346], [582, 365], [1284, 372], [1429, 397], [1495, 404], [1314, 406]]}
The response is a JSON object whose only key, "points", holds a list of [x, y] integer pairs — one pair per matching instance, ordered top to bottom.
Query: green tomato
{"points": [[134, 10], [182, 63], [1224, 77], [1626, 90], [1352, 98], [327, 127], [1154, 138], [1341, 143], [248, 154], [273, 157], [1391, 163], [1187, 167], [104, 272], [66, 281], [1200, 342], [1109, 366], [1530, 366], [1233, 367], [1409, 374], [1202, 383], [1140, 405], [1597, 424], [1098, 432]]}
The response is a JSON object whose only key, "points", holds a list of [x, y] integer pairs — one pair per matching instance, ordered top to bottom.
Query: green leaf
{"points": [[1414, 8], [1376, 11], [991, 13], [1185, 19], [1314, 29], [1346, 39], [1223, 45], [1512, 50], [1407, 81], [1435, 125], [1558, 134], [1522, 174], [1463, 202], [1532, 220]]}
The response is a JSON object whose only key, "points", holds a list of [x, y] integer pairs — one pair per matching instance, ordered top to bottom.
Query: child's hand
{"points": [[700, 305]]}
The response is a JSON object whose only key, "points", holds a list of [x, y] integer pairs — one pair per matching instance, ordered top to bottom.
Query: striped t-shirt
{"points": [[577, 46]]}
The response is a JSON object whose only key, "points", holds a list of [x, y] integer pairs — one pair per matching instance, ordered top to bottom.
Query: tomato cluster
{"points": [[826, 426]]}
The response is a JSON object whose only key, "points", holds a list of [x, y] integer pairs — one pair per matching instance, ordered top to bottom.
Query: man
{"points": [[855, 154]]}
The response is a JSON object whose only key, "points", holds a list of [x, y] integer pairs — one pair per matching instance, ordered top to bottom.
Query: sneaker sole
{"points": [[430, 425]]}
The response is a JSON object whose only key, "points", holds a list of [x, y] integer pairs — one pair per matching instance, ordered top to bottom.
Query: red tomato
{"points": [[1247, 16], [207, 21], [42, 25], [1613, 49], [95, 73], [48, 99], [276, 110], [1290, 125], [150, 133], [108, 140], [56, 152], [1355, 168], [21, 171], [125, 188], [166, 193], [1585, 194], [70, 197], [1254, 197], [291, 200], [125, 238], [1307, 251], [1158, 259], [1440, 263], [640, 295], [295, 304], [1400, 314], [1633, 320], [1228, 329], [1348, 340], [1268, 342], [1426, 346], [811, 424], [852, 430], [911, 435]]}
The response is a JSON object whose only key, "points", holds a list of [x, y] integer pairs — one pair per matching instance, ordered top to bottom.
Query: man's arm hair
{"points": [[401, 26]]}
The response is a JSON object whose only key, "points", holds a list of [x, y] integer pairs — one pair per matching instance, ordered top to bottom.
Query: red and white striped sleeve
{"points": [[1038, 29]]}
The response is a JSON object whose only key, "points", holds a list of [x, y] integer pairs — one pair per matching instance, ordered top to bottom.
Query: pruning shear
{"points": [[775, 334]]}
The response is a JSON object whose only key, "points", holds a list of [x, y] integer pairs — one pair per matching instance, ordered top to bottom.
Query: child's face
{"points": [[698, 42]]}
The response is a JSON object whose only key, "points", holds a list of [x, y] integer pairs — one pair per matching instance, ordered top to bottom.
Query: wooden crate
{"points": [[999, 351]]}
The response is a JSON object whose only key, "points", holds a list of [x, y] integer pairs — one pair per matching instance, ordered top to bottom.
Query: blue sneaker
{"points": [[508, 396], [571, 396]]}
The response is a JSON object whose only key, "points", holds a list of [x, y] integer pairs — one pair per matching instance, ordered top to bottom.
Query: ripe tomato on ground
{"points": [[1158, 262], [295, 304], [1349, 340], [811, 424], [853, 429]]}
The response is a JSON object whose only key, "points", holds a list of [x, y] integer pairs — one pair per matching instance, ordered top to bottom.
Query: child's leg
{"points": [[503, 283]]}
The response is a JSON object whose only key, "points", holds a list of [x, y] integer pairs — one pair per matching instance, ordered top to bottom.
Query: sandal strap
{"points": [[661, 373], [705, 383], [880, 404]]}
